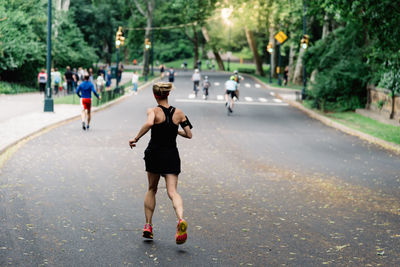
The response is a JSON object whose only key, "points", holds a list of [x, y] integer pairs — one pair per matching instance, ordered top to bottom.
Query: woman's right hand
{"points": [[132, 142]]}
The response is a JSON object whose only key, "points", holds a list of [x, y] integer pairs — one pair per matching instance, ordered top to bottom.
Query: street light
{"points": [[225, 14], [48, 101]]}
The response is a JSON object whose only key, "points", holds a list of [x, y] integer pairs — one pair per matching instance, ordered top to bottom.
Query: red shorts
{"points": [[86, 103]]}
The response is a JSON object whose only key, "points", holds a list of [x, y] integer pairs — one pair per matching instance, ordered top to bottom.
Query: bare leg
{"points": [[83, 115], [88, 116], [171, 180], [150, 197]]}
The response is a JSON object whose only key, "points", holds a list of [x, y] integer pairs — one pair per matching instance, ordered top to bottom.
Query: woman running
{"points": [[162, 156]]}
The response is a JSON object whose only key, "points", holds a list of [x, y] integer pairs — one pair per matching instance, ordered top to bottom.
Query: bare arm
{"points": [[145, 128], [187, 133]]}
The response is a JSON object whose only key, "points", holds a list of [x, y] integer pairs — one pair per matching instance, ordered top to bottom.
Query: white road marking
{"points": [[216, 83], [247, 85], [257, 85], [272, 93], [191, 96], [220, 97], [249, 99], [262, 99], [277, 100], [222, 102]]}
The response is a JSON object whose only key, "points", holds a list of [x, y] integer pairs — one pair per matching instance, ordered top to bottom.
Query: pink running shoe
{"points": [[148, 231], [181, 234]]}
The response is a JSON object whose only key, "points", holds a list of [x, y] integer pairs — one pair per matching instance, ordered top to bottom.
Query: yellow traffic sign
{"points": [[280, 37]]}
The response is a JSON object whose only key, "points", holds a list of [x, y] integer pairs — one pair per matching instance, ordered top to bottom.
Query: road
{"points": [[266, 186]]}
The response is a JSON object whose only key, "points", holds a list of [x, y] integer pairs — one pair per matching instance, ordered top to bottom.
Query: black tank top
{"points": [[163, 135]]}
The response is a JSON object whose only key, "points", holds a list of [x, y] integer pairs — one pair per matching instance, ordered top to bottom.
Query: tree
{"points": [[147, 12]]}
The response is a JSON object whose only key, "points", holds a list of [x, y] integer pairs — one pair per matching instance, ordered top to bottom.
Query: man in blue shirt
{"points": [[84, 91]]}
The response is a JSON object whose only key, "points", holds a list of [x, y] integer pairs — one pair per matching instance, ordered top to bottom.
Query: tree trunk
{"points": [[325, 27], [147, 33], [253, 46], [195, 47], [214, 50], [274, 53], [292, 54], [298, 73]]}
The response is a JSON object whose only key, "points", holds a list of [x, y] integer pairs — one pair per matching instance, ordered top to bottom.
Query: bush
{"points": [[246, 70], [342, 74]]}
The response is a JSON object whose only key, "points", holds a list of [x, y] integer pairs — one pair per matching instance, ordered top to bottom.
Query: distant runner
{"points": [[84, 91]]}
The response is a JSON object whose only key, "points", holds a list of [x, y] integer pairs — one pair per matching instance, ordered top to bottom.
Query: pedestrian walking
{"points": [[162, 70], [101, 71], [171, 75], [286, 75], [196, 77], [69, 78], [77, 79], [42, 80], [56, 80], [108, 80], [135, 81], [100, 83], [84, 91], [162, 156]]}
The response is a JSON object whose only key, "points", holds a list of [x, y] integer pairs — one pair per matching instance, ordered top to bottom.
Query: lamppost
{"points": [[226, 13], [119, 41], [304, 42], [270, 50], [152, 54], [48, 101]]}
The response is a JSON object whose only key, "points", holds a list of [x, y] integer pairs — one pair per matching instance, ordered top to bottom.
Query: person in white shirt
{"points": [[196, 77], [135, 81], [100, 83], [230, 93]]}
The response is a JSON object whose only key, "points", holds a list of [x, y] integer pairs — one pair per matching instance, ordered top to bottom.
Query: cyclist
{"points": [[196, 77], [238, 78], [206, 86], [230, 93], [162, 156]]}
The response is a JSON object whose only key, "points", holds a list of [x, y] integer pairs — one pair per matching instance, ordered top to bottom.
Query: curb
{"points": [[327, 121], [9, 150]]}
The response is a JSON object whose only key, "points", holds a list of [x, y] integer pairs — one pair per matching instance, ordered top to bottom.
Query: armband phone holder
{"points": [[186, 123]]}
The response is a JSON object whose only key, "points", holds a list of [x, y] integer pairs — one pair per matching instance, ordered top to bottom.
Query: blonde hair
{"points": [[161, 89]]}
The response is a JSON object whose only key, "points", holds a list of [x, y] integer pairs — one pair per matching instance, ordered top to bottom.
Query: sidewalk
{"points": [[292, 95], [22, 115]]}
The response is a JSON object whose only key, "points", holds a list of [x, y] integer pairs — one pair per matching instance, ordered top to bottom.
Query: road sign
{"points": [[281, 37]]}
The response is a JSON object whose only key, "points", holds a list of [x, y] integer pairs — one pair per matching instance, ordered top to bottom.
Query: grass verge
{"points": [[14, 88], [367, 125]]}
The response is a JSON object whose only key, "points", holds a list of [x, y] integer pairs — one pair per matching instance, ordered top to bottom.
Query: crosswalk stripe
{"points": [[216, 83], [247, 85], [257, 85], [272, 93], [191, 96], [220, 97], [249, 99], [262, 99], [277, 100], [221, 102]]}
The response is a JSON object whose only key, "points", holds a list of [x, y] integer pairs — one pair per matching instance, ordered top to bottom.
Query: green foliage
{"points": [[69, 48], [342, 71], [391, 78], [12, 88]]}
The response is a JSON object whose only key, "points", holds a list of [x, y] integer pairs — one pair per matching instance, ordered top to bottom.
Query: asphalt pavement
{"points": [[264, 186]]}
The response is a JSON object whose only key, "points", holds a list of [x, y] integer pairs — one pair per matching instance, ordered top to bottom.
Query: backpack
{"points": [[57, 79]]}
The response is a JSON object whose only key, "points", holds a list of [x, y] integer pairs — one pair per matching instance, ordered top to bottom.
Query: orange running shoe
{"points": [[148, 231], [181, 235]]}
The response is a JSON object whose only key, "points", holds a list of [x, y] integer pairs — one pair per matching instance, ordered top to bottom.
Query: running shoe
{"points": [[230, 110], [83, 126], [87, 127], [148, 231], [181, 235]]}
